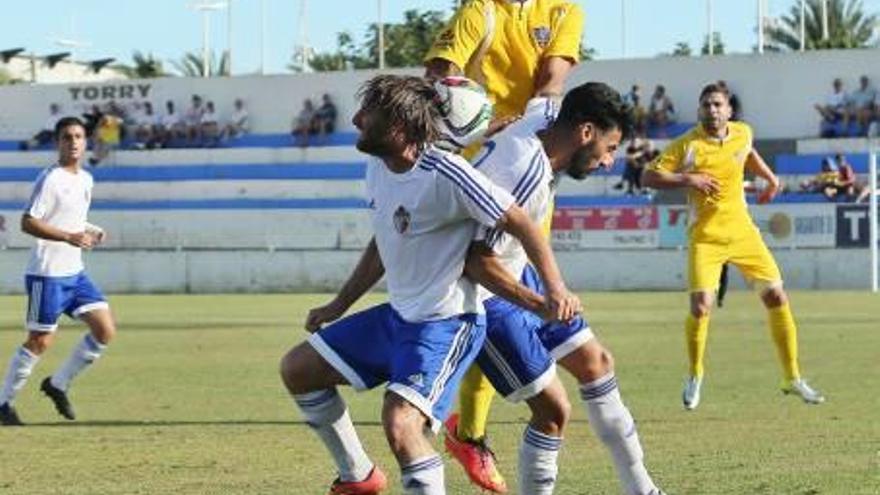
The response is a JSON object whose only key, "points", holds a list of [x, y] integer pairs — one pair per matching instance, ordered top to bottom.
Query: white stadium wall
{"points": [[777, 90], [215, 271]]}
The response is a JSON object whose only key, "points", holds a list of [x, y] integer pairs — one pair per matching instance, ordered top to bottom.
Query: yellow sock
{"points": [[696, 330], [784, 333], [475, 398]]}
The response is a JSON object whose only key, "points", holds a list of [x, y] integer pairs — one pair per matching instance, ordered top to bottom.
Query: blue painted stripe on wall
{"points": [[164, 173], [219, 204]]}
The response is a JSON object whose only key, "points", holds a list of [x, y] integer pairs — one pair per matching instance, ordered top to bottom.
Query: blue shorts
{"points": [[49, 297], [521, 347], [422, 362]]}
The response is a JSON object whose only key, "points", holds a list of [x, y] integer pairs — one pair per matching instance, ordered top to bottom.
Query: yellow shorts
{"points": [[748, 253]]}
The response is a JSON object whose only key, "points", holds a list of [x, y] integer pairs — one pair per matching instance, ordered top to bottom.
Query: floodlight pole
{"points": [[824, 20], [803, 25], [760, 26], [623, 28], [381, 34], [710, 38], [872, 203]]}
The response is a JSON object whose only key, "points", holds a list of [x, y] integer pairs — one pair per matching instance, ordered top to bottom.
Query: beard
{"points": [[375, 142], [583, 163]]}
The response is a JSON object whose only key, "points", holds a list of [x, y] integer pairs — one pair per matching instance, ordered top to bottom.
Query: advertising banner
{"points": [[796, 225], [613, 227]]}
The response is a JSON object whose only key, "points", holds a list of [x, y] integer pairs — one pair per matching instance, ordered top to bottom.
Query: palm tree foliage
{"points": [[848, 27]]}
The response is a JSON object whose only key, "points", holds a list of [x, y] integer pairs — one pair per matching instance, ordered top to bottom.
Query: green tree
{"points": [[848, 27], [405, 44], [717, 44], [682, 49], [588, 53], [191, 65], [143, 66]]}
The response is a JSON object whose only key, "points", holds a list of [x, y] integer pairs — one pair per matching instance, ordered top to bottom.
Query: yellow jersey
{"points": [[500, 44], [723, 216]]}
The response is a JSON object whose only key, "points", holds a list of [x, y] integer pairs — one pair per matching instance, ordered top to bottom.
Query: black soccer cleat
{"points": [[59, 398], [8, 415]]}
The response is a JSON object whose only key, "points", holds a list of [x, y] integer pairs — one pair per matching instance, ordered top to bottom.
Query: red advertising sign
{"points": [[606, 218]]}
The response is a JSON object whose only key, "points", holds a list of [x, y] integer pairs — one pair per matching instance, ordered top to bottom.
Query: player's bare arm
{"points": [[438, 68], [550, 80], [756, 164], [658, 179], [42, 230], [483, 267], [366, 274], [563, 304]]}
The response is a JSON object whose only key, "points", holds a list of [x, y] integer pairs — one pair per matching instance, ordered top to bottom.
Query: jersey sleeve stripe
{"points": [[527, 178], [467, 184], [38, 188]]}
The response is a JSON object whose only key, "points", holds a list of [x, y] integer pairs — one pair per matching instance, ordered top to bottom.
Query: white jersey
{"points": [[515, 160], [61, 199], [424, 220]]}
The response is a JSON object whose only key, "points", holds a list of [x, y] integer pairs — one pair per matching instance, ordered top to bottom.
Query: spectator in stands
{"points": [[634, 100], [735, 104], [862, 105], [834, 110], [661, 111], [91, 119], [193, 120], [324, 121], [239, 124], [303, 124], [171, 126], [210, 126], [145, 127], [47, 133], [107, 136], [639, 153], [825, 182], [847, 184]]}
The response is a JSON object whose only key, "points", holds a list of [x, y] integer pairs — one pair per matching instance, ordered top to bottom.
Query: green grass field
{"points": [[188, 401]]}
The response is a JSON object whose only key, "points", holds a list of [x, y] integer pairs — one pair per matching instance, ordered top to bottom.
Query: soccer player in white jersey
{"points": [[526, 158], [425, 205], [55, 280]]}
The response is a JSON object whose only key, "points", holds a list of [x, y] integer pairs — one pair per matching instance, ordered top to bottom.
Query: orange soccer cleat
{"points": [[475, 457], [372, 485]]}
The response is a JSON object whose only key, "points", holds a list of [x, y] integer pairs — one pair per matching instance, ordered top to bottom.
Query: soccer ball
{"points": [[465, 112]]}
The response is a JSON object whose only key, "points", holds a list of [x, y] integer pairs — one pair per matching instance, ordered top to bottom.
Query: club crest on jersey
{"points": [[542, 36], [401, 219]]}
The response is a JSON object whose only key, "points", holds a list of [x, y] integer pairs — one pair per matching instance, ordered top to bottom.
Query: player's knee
{"points": [[774, 297], [700, 309], [105, 333], [38, 342], [590, 362], [294, 370], [553, 416], [403, 423]]}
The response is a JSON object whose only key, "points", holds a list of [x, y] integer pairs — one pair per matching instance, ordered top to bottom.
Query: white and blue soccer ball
{"points": [[465, 112]]}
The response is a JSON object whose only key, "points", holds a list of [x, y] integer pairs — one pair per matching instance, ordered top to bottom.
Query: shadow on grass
{"points": [[225, 422]]}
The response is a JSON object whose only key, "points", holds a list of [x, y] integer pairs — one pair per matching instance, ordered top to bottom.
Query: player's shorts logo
{"points": [[542, 36], [401, 219]]}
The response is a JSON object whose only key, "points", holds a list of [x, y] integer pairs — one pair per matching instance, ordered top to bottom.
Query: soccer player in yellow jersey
{"points": [[516, 50], [709, 161]]}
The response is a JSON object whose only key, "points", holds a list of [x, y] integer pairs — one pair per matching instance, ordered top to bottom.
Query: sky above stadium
{"points": [[169, 28]]}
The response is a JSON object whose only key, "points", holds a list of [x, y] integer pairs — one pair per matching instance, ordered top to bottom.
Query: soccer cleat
{"points": [[799, 387], [690, 396], [59, 398], [8, 415], [475, 457], [371, 485]]}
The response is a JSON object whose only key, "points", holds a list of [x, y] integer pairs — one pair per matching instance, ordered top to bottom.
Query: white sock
{"points": [[85, 353], [20, 368], [325, 412], [614, 425], [537, 463], [424, 477]]}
